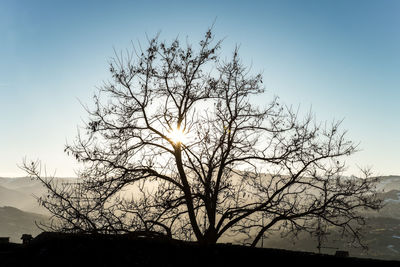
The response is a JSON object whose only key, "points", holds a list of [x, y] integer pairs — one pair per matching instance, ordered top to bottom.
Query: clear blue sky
{"points": [[340, 57]]}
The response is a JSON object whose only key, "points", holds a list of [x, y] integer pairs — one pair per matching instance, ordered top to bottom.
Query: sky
{"points": [[339, 58]]}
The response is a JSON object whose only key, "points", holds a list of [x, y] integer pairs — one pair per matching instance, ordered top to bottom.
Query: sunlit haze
{"points": [[341, 59]]}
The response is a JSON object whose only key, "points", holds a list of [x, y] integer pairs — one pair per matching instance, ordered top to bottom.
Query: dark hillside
{"points": [[52, 249]]}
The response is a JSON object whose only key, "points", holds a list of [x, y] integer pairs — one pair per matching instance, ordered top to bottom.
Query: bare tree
{"points": [[178, 147]]}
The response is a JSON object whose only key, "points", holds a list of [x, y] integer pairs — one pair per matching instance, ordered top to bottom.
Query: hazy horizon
{"points": [[340, 58]]}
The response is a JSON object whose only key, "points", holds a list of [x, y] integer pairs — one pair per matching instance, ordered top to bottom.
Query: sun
{"points": [[177, 136]]}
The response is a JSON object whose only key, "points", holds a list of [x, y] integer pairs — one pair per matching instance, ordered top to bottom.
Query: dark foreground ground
{"points": [[53, 249]]}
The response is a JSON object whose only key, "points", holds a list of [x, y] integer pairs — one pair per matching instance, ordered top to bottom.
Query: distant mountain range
{"points": [[21, 193], [20, 197], [19, 211], [14, 223]]}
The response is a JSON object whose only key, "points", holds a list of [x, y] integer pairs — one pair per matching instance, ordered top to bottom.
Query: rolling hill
{"points": [[15, 222]]}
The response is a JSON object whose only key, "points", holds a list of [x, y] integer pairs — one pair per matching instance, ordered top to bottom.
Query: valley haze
{"points": [[20, 212]]}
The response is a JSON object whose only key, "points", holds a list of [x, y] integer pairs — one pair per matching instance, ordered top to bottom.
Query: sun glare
{"points": [[177, 136]]}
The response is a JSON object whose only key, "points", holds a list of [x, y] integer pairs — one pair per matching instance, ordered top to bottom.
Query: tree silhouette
{"points": [[174, 144]]}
